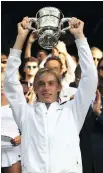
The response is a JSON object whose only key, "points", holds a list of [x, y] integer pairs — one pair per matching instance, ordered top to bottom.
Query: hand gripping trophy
{"points": [[48, 26]]}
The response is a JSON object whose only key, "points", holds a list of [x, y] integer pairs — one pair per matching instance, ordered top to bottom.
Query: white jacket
{"points": [[66, 93], [50, 137]]}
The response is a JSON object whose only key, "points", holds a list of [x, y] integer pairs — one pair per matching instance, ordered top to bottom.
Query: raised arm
{"points": [[30, 41], [71, 65], [88, 83], [13, 88]]}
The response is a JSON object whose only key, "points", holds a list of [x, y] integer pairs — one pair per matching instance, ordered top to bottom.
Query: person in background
{"points": [[32, 38], [41, 54], [97, 54], [42, 57], [55, 64], [70, 65], [31, 66], [100, 75], [77, 77], [50, 130], [97, 133], [91, 134], [91, 138], [11, 150]]}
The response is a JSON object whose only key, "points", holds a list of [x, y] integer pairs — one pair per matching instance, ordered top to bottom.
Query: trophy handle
{"points": [[33, 20], [62, 22]]}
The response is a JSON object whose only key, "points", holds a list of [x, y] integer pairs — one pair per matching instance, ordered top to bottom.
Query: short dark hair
{"points": [[41, 51], [54, 58], [30, 59]]}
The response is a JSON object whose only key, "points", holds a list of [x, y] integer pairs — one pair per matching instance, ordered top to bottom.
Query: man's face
{"points": [[41, 56], [96, 56], [53, 64], [31, 68], [47, 88]]}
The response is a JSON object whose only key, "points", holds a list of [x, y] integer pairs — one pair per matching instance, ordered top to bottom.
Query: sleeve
{"points": [[88, 83], [12, 87]]}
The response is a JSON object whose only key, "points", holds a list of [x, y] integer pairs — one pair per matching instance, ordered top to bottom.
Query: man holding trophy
{"points": [[50, 130]]}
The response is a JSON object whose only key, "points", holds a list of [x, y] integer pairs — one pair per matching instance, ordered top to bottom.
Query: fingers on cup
{"points": [[25, 22], [74, 22]]}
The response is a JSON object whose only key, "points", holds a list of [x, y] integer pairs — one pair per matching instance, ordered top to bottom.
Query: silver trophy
{"points": [[48, 26]]}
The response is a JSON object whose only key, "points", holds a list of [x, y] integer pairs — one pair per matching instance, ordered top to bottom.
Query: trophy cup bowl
{"points": [[48, 22]]}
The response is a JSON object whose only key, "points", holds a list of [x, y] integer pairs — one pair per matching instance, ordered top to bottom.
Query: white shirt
{"points": [[66, 93], [8, 125], [50, 137]]}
